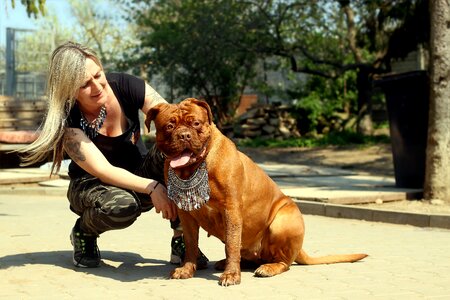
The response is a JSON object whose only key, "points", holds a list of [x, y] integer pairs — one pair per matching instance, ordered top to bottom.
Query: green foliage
{"points": [[34, 7], [102, 27], [97, 28], [103, 30], [197, 46], [33, 47], [209, 49], [321, 98], [331, 139]]}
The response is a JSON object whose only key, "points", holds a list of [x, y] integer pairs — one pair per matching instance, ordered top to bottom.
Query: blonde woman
{"points": [[93, 117]]}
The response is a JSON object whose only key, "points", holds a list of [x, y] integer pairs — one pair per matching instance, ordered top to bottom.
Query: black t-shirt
{"points": [[126, 150]]}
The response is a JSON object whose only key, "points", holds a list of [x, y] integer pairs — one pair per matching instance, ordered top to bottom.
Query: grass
{"points": [[331, 139]]}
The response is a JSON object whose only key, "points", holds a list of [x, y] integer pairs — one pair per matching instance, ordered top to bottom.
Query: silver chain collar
{"points": [[190, 194]]}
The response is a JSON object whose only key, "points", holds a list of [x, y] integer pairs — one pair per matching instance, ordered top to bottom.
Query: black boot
{"points": [[85, 250], [179, 251]]}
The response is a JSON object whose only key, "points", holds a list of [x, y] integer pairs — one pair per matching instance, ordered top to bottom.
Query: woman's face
{"points": [[93, 92]]}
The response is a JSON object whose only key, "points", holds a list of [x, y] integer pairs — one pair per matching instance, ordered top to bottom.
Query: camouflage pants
{"points": [[103, 207]]}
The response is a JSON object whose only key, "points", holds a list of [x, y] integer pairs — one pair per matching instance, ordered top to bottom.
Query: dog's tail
{"points": [[305, 259]]}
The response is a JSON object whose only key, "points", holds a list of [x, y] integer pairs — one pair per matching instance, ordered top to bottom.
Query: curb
{"points": [[41, 190], [307, 207], [373, 215]]}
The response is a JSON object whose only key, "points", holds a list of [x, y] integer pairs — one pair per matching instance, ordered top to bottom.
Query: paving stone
{"points": [[405, 262]]}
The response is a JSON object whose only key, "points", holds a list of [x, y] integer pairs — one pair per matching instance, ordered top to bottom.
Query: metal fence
{"points": [[23, 71]]}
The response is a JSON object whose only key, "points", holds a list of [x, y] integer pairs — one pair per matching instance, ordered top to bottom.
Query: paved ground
{"points": [[299, 181], [405, 262]]}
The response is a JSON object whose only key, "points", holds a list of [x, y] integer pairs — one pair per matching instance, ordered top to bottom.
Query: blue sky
{"points": [[17, 17]]}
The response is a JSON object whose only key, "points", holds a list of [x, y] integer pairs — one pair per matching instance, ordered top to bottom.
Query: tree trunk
{"points": [[365, 124], [437, 175]]}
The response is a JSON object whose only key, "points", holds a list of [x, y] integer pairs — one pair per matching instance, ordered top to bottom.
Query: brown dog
{"points": [[246, 209]]}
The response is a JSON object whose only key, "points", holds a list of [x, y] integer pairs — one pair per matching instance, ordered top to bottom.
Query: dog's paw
{"points": [[272, 269], [182, 273], [230, 278]]}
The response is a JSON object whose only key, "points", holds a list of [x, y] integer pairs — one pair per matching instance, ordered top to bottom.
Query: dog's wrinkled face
{"points": [[182, 130]]}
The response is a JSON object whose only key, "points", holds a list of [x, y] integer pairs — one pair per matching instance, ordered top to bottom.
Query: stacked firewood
{"points": [[267, 122]]}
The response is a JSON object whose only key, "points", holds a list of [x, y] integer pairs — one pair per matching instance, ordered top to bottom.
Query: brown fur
{"points": [[247, 210]]}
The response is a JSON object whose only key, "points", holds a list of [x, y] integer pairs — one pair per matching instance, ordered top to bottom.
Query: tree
{"points": [[34, 7], [102, 27], [106, 32], [315, 37], [330, 38], [194, 44], [35, 46], [437, 177]]}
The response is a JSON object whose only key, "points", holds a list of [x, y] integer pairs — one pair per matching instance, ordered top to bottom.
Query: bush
{"points": [[332, 139]]}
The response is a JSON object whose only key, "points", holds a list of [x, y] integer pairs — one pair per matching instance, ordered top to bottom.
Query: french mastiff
{"points": [[220, 189]]}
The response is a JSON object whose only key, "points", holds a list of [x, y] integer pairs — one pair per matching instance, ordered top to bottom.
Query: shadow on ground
{"points": [[120, 266]]}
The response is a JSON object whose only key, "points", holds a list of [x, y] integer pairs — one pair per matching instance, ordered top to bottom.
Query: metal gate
{"points": [[26, 57]]}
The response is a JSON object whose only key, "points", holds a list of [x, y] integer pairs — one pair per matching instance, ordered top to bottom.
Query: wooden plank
{"points": [[4, 98], [22, 105], [5, 108], [21, 115], [18, 120], [18, 123], [21, 128]]}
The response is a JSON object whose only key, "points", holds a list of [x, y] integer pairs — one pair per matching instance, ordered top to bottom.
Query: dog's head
{"points": [[182, 130]]}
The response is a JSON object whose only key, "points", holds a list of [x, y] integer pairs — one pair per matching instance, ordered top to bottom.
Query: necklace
{"points": [[91, 128], [190, 194]]}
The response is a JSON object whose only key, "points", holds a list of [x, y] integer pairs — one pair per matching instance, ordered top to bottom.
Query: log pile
{"points": [[20, 114], [267, 122]]}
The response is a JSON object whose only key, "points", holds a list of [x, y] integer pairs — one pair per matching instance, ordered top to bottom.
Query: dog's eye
{"points": [[196, 123], [169, 126]]}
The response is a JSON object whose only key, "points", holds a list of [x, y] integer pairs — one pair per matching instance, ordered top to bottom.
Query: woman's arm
{"points": [[151, 99], [84, 152]]}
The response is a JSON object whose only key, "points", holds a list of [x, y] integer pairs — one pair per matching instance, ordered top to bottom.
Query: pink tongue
{"points": [[180, 160]]}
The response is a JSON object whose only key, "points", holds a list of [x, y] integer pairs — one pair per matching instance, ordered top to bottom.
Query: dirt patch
{"points": [[371, 160], [374, 160]]}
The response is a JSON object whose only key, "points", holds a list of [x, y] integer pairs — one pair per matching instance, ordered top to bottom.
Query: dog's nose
{"points": [[185, 136]]}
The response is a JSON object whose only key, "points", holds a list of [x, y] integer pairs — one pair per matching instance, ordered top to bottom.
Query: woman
{"points": [[94, 119]]}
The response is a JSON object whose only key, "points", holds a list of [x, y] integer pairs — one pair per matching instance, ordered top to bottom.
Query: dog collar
{"points": [[190, 194]]}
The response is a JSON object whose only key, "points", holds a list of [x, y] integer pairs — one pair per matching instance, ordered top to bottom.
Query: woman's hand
{"points": [[84, 152], [162, 203]]}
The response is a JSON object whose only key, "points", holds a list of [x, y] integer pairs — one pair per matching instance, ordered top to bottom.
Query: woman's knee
{"points": [[121, 206], [103, 207], [111, 215]]}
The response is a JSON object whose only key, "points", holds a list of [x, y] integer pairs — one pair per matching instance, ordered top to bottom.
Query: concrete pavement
{"points": [[319, 191], [405, 262]]}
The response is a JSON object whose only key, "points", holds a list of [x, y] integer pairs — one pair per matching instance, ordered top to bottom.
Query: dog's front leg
{"points": [[190, 233], [233, 234]]}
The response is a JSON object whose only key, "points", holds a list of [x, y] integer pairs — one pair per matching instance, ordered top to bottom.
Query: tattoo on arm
{"points": [[153, 95], [72, 146]]}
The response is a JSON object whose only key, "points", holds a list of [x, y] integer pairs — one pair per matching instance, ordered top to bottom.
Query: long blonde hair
{"points": [[66, 74]]}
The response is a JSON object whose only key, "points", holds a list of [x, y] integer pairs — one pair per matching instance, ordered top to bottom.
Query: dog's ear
{"points": [[205, 105], [151, 115]]}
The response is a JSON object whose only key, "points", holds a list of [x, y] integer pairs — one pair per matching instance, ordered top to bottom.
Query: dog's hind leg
{"points": [[283, 242]]}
